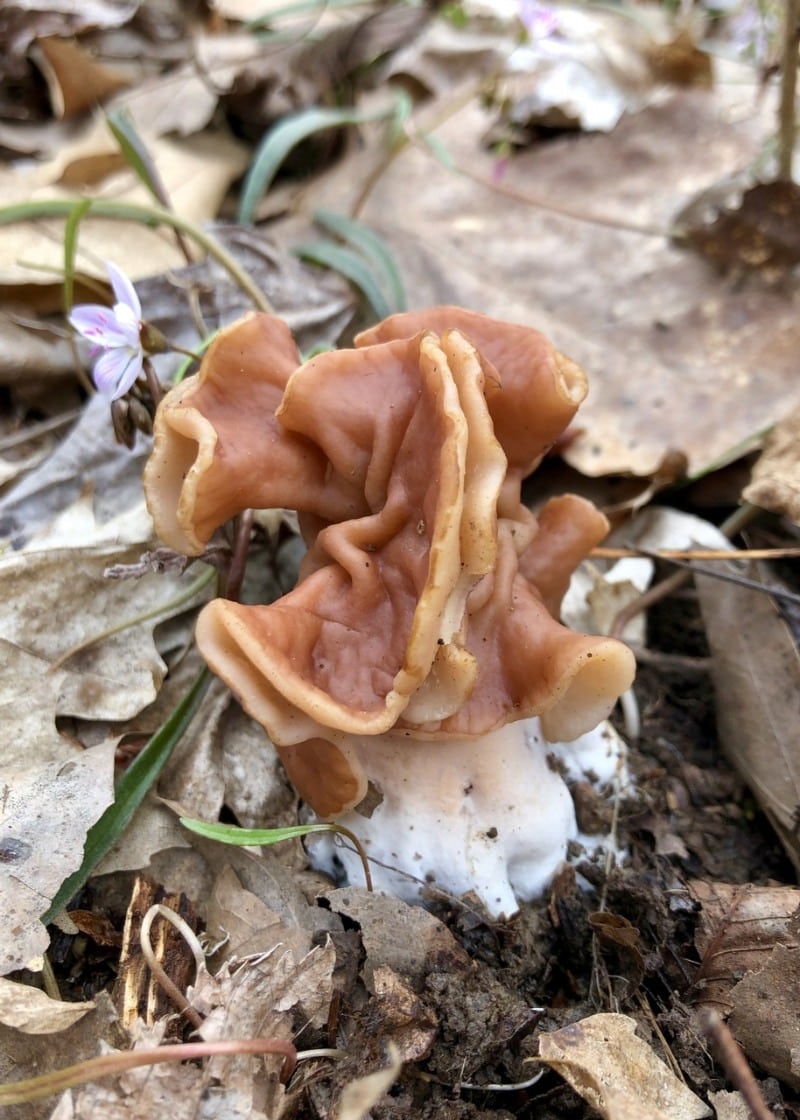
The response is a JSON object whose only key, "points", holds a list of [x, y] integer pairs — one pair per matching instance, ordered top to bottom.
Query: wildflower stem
{"points": [[786, 111], [145, 215]]}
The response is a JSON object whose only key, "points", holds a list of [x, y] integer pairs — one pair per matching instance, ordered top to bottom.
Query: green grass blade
{"points": [[280, 140], [136, 155], [71, 228], [371, 246], [351, 265], [131, 790], [231, 834]]}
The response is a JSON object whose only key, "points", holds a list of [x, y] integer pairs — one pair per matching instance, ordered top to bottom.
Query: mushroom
{"points": [[418, 662]]}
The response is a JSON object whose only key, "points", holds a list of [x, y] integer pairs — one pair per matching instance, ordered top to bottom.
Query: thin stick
{"points": [[786, 111], [157, 969], [736, 1066]]}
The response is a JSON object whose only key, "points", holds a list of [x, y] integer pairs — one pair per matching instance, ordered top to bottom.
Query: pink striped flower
{"points": [[115, 335]]}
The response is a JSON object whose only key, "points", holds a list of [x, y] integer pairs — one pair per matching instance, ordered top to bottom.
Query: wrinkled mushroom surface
{"points": [[427, 602]]}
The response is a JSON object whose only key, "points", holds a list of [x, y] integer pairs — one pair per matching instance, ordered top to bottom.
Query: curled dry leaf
{"points": [[75, 79], [775, 484], [756, 672], [35, 856], [270, 995], [31, 1011], [618, 1073]]}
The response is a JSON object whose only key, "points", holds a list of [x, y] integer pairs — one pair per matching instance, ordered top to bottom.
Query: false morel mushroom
{"points": [[412, 679]]}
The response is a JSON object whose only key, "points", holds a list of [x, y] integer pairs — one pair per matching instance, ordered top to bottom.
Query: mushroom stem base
{"points": [[492, 815]]}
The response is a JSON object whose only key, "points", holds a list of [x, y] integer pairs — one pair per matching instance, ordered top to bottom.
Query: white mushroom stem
{"points": [[489, 815]]}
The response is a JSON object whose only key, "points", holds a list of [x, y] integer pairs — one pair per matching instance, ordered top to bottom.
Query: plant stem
{"points": [[787, 110], [145, 215]]}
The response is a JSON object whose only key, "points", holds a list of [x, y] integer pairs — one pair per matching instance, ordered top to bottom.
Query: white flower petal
{"points": [[124, 291], [100, 325], [128, 325], [115, 371]]}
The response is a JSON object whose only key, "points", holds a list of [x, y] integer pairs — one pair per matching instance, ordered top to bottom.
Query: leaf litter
{"points": [[517, 212]]}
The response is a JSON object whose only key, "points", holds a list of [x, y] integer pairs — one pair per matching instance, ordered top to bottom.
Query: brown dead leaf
{"points": [[75, 79], [196, 173], [675, 357], [775, 484], [60, 599], [756, 671], [246, 924], [738, 928], [405, 938], [271, 996], [29, 1010], [764, 1017], [618, 1073]]}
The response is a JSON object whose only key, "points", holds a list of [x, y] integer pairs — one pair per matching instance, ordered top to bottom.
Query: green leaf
{"points": [[280, 140], [136, 155], [371, 246], [351, 265], [131, 790], [231, 834]]}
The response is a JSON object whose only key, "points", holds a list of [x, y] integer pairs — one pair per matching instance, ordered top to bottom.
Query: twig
{"points": [[786, 111], [737, 521], [157, 969], [736, 1066]]}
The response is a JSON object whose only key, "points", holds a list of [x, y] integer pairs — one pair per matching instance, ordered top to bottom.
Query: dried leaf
{"points": [[76, 80], [196, 173], [673, 358], [775, 484], [756, 670], [114, 679], [35, 858], [247, 924], [738, 928], [406, 938], [262, 995], [29, 1010], [764, 1016], [403, 1017], [617, 1073], [729, 1106]]}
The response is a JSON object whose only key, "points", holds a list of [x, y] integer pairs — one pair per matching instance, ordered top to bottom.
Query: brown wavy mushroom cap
{"points": [[426, 600]]}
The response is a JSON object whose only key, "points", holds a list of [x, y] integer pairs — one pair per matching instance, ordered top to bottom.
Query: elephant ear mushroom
{"points": [[532, 390], [214, 432], [359, 639], [420, 651]]}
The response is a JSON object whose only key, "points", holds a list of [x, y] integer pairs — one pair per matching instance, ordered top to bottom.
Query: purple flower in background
{"points": [[539, 20], [115, 336]]}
